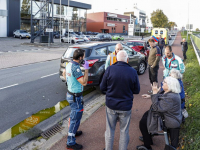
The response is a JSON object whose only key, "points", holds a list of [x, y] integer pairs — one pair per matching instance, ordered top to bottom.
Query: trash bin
{"points": [[44, 39]]}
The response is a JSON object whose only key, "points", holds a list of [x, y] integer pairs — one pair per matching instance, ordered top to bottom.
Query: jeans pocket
{"points": [[110, 111]]}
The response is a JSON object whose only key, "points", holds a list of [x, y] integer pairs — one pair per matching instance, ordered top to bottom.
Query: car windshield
{"points": [[22, 31], [131, 44], [70, 51]]}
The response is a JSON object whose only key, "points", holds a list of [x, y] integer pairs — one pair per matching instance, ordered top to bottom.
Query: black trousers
{"points": [[161, 50], [184, 54], [153, 74], [174, 133]]}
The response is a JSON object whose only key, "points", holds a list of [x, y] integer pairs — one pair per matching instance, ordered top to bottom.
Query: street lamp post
{"points": [[60, 21], [68, 23]]}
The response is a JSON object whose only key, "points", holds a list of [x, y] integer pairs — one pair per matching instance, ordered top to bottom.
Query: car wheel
{"points": [[20, 37], [28, 38], [118, 39], [62, 40], [73, 42], [141, 68]]}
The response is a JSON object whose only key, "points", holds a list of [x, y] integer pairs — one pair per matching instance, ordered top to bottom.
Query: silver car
{"points": [[21, 34], [72, 39]]}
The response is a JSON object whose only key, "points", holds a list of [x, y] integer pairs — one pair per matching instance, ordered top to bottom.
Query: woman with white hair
{"points": [[177, 75], [167, 102]]}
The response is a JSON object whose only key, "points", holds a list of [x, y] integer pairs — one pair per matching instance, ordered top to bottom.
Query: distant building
{"points": [[16, 14], [140, 16], [106, 22]]}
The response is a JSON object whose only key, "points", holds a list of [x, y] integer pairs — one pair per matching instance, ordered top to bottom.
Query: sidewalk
{"points": [[94, 128]]}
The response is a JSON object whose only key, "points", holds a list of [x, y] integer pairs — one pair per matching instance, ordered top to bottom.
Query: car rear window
{"points": [[70, 51]]}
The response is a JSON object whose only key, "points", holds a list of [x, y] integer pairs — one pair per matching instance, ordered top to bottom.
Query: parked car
{"points": [[70, 33], [79, 33], [95, 33], [21, 34], [56, 34], [85, 37], [103, 37], [170, 37], [117, 38], [72, 39], [139, 46], [96, 54]]}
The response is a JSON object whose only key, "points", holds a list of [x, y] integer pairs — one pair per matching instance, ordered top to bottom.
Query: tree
{"points": [[159, 19], [172, 25], [197, 29]]}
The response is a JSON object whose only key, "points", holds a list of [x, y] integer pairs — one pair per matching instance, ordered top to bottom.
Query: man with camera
{"points": [[75, 81]]}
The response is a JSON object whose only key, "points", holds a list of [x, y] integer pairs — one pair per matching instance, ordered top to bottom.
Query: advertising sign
{"points": [[130, 29]]}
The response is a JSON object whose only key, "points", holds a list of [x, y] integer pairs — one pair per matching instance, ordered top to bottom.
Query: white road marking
{"points": [[49, 75], [8, 86]]}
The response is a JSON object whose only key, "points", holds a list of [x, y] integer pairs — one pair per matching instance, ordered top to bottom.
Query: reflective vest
{"points": [[113, 58]]}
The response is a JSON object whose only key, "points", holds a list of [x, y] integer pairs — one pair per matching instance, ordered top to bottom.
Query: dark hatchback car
{"points": [[96, 54]]}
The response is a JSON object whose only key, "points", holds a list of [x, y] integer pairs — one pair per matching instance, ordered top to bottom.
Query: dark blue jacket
{"points": [[120, 82]]}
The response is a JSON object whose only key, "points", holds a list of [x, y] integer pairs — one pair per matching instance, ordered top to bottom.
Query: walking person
{"points": [[161, 44], [184, 48], [112, 57], [153, 61], [170, 61], [75, 81], [120, 82]]}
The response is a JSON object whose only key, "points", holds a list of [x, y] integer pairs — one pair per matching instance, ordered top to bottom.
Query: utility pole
{"points": [[60, 21], [188, 22]]}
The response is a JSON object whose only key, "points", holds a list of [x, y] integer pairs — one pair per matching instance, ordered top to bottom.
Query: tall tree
{"points": [[159, 19], [172, 25], [197, 29]]}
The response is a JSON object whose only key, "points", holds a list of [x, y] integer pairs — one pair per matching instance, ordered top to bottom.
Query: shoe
{"points": [[150, 91], [78, 133], [141, 138], [74, 147], [142, 147]]}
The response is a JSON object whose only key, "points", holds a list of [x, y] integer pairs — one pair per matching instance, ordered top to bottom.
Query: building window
{"points": [[124, 29], [114, 30]]}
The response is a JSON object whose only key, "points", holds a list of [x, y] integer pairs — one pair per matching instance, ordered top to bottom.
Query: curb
{"points": [[93, 101]]}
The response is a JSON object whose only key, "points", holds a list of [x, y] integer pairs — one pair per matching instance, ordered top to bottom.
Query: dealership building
{"points": [[16, 14], [106, 22]]}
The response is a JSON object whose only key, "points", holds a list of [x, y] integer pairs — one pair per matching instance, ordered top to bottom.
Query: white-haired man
{"points": [[120, 82]]}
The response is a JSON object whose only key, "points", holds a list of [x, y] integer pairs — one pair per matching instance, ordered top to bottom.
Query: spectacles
{"points": [[119, 49]]}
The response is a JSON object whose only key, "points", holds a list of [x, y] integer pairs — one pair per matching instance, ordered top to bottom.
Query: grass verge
{"points": [[190, 130]]}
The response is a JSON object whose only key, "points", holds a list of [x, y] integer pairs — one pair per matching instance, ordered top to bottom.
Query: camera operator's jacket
{"points": [[111, 59], [175, 62]]}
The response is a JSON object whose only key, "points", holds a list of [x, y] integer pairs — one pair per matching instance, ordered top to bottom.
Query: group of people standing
{"points": [[121, 82]]}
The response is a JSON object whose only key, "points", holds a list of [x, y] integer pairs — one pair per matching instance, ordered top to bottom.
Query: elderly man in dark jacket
{"points": [[184, 48], [120, 82], [169, 104]]}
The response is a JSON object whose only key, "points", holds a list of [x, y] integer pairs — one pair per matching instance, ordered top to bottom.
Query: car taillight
{"points": [[76, 38], [92, 62], [89, 82]]}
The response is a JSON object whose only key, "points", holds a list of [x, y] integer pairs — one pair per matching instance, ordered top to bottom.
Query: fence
{"points": [[196, 44]]}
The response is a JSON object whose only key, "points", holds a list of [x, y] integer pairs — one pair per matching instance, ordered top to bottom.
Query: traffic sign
{"points": [[49, 30]]}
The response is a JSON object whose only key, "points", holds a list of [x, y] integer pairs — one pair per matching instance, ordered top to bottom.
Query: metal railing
{"points": [[196, 45]]}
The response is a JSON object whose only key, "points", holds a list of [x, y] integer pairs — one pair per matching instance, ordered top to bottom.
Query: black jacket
{"points": [[161, 42], [185, 46]]}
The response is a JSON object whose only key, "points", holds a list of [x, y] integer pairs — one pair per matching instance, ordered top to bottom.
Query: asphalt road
{"points": [[27, 89]]}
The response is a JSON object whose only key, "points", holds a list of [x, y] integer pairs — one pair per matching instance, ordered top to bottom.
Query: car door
{"points": [[132, 55]]}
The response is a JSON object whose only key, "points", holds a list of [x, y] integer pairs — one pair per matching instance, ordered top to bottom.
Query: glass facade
{"points": [[77, 16]]}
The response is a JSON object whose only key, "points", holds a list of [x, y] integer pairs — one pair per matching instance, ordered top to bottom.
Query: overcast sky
{"points": [[176, 10]]}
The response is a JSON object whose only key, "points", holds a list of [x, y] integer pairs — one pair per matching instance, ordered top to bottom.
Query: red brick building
{"points": [[105, 22]]}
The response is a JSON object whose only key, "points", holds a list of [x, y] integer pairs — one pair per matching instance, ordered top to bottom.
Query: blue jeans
{"points": [[112, 116], [75, 117]]}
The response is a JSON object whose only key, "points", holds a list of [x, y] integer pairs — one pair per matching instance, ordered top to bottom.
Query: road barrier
{"points": [[196, 45]]}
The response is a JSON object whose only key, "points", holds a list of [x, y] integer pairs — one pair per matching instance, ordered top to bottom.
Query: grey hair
{"points": [[122, 56], [176, 74], [173, 84]]}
